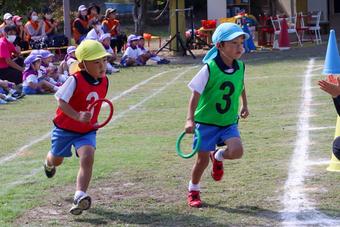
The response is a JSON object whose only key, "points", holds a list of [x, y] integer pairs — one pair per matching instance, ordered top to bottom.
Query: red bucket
{"points": [[208, 24]]}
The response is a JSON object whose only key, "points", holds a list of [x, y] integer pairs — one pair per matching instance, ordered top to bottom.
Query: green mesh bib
{"points": [[219, 102]]}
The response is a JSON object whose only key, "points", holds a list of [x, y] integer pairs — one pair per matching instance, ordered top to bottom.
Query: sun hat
{"points": [[82, 8], [109, 10], [7, 16], [16, 18], [224, 32], [104, 36], [132, 38], [70, 49], [90, 50], [45, 54], [31, 59]]}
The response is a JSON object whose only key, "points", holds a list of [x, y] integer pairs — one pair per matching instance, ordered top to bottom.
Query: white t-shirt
{"points": [[92, 34], [132, 53], [70, 61], [30, 79], [200, 80], [65, 92]]}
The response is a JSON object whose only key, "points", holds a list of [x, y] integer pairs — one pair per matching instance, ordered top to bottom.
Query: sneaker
{"points": [[163, 62], [115, 70], [18, 95], [9, 98], [2, 101], [217, 168], [49, 171], [194, 199], [82, 203]]}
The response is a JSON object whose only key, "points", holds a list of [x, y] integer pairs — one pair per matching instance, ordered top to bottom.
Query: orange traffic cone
{"points": [[284, 37]]}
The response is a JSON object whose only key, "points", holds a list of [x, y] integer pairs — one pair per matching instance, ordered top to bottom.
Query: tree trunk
{"points": [[139, 15]]}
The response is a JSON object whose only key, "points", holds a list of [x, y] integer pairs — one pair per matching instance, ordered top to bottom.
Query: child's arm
{"points": [[244, 110], [82, 116], [190, 122]]}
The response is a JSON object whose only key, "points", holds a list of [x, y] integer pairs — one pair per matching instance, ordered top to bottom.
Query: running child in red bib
{"points": [[74, 122]]}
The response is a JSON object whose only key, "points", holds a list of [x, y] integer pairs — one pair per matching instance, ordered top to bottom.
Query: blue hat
{"points": [[224, 32], [70, 49], [36, 52], [45, 54], [31, 59]]}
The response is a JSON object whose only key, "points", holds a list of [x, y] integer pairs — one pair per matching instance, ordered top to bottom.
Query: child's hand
{"points": [[330, 87], [244, 112], [84, 116], [189, 126]]}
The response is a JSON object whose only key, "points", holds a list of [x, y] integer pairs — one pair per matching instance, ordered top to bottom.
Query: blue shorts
{"points": [[30, 91], [214, 135], [62, 141]]}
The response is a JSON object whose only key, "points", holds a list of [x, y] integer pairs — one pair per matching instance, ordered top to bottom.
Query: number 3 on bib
{"points": [[225, 97]]}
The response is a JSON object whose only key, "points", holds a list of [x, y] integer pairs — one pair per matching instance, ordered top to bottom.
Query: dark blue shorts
{"points": [[214, 135], [62, 141]]}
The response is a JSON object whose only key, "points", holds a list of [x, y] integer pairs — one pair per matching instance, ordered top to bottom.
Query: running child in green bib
{"points": [[214, 106]]}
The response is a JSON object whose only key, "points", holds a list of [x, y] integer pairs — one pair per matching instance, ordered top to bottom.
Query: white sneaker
{"points": [[114, 70], [9, 98], [2, 101], [82, 203]]}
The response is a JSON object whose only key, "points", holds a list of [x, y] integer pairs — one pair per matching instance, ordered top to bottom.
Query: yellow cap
{"points": [[90, 50]]}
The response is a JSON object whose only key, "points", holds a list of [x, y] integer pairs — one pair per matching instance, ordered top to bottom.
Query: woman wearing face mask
{"points": [[80, 25], [35, 28], [96, 31], [20, 41], [9, 69]]}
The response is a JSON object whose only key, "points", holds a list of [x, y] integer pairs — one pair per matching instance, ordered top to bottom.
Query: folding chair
{"points": [[315, 19]]}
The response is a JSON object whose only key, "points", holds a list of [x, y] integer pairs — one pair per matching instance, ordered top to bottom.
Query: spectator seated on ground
{"points": [[80, 25], [111, 25], [35, 30], [96, 30], [21, 34], [105, 40], [132, 53], [147, 54], [69, 59], [10, 68], [49, 71], [31, 82], [7, 92]]}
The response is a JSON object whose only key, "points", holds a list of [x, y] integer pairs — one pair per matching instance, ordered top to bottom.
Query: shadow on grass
{"points": [[259, 212], [106, 216]]}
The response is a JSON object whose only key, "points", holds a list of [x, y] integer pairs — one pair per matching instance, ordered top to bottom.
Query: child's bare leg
{"points": [[47, 86], [234, 148], [86, 155], [52, 160], [201, 164]]}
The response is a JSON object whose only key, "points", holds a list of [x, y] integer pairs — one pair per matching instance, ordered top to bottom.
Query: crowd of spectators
{"points": [[39, 73]]}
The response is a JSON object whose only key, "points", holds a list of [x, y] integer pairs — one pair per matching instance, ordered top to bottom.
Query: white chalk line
{"points": [[120, 115], [47, 135], [298, 209]]}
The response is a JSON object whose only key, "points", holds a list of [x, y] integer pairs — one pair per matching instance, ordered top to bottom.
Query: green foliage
{"points": [[22, 7]]}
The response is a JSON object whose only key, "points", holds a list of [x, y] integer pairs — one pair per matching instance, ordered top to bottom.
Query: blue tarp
{"points": [[122, 8]]}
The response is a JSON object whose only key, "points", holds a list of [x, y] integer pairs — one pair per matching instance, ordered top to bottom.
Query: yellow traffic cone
{"points": [[334, 164]]}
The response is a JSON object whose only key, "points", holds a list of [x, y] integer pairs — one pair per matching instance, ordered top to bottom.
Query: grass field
{"points": [[139, 180]]}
